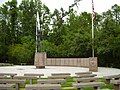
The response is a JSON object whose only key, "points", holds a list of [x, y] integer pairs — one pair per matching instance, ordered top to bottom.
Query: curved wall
{"points": [[41, 61], [77, 62]]}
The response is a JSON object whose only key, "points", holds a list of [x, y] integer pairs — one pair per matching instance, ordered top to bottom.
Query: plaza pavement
{"points": [[21, 70]]}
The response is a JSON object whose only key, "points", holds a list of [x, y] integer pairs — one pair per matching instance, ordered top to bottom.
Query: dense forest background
{"points": [[63, 33]]}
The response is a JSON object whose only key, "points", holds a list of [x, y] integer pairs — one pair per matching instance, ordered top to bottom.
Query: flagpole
{"points": [[36, 29], [93, 29], [36, 37]]}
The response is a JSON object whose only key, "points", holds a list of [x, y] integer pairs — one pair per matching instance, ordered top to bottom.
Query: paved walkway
{"points": [[21, 70]]}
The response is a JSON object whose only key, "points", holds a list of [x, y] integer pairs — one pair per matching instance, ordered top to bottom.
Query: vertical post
{"points": [[93, 28], [36, 29], [36, 37], [92, 37], [30, 81], [17, 86]]}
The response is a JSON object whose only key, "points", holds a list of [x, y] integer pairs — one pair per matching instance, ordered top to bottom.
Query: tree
{"points": [[27, 18], [8, 27], [63, 33], [109, 37], [22, 53]]}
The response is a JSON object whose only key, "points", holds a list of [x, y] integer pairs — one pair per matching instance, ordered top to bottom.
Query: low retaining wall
{"points": [[77, 62]]}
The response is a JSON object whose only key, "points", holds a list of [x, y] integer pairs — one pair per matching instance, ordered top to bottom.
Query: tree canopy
{"points": [[63, 33]]}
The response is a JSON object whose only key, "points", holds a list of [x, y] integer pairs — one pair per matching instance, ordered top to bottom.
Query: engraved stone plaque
{"points": [[40, 59], [93, 66]]}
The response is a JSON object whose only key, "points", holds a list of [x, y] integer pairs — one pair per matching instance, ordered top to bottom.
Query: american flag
{"points": [[93, 12]]}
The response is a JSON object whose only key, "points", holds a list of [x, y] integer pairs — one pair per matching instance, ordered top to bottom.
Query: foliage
{"points": [[63, 33], [49, 47], [108, 47], [22, 52]]}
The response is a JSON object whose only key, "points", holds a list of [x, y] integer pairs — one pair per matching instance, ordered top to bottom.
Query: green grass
{"points": [[33, 81], [68, 82], [108, 86], [22, 88], [88, 88]]}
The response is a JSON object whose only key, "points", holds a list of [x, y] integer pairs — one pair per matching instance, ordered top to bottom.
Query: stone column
{"points": [[40, 59], [93, 64]]}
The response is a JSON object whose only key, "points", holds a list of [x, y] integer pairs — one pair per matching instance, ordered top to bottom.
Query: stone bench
{"points": [[5, 64], [23, 64], [82, 73], [8, 74], [32, 74], [58, 74], [85, 75], [5, 77], [59, 77], [26, 78], [108, 78], [89, 79], [12, 81], [51, 81], [116, 84], [95, 85], [7, 86], [43, 87]]}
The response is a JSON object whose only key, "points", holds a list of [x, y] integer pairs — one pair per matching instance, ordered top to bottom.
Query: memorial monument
{"points": [[40, 57]]}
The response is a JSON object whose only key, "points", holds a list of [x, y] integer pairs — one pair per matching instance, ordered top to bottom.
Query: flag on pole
{"points": [[93, 12], [38, 21]]}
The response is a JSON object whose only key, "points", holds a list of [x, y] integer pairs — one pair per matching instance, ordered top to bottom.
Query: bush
{"points": [[21, 53]]}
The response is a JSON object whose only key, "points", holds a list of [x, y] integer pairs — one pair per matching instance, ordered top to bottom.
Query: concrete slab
{"points": [[21, 70]]}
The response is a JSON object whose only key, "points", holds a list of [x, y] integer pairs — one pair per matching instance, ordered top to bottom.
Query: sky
{"points": [[84, 5]]}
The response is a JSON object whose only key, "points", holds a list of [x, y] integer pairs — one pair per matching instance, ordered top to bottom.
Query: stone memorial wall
{"points": [[41, 61], [76, 62], [90, 63]]}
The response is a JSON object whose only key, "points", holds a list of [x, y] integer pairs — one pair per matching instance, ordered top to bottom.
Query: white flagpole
{"points": [[92, 28], [36, 37]]}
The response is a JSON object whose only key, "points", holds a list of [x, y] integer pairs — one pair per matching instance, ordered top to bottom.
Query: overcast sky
{"points": [[84, 5]]}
